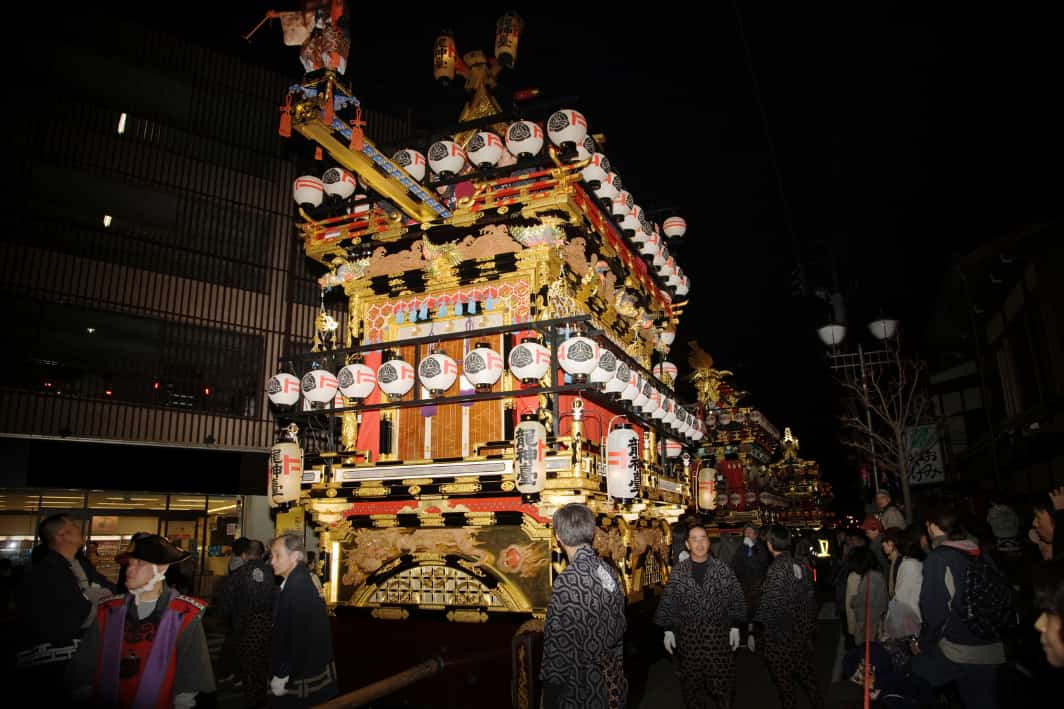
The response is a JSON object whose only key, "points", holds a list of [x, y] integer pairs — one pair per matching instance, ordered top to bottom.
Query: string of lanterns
{"points": [[567, 129], [581, 358]]}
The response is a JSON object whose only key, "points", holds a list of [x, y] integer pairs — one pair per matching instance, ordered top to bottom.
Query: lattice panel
{"points": [[435, 585]]}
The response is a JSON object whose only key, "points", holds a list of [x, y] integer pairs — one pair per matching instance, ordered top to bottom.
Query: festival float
{"points": [[509, 310], [739, 480]]}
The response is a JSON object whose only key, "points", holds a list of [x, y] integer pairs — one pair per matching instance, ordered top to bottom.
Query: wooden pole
{"points": [[867, 636], [371, 692]]}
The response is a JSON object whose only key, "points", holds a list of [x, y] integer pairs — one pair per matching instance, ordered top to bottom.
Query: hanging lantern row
{"points": [[336, 184], [582, 358]]}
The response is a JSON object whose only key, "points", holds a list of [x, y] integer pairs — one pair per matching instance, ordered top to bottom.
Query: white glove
{"points": [[684, 555], [733, 639], [670, 641], [750, 642], [277, 685]]}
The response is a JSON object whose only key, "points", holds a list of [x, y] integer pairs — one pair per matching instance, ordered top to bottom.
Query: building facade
{"points": [[151, 273], [997, 353]]}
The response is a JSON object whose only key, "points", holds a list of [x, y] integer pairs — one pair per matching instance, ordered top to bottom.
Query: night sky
{"points": [[894, 137]]}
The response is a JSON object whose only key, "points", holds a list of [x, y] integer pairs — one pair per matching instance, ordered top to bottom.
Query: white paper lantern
{"points": [[567, 128], [524, 139], [484, 149], [586, 149], [446, 158], [412, 162], [597, 170], [339, 183], [606, 190], [308, 191], [621, 204], [629, 222], [674, 227], [652, 245], [684, 287], [667, 337], [579, 357], [529, 361], [482, 366], [605, 369], [665, 371], [437, 372], [395, 378], [356, 381], [619, 382], [632, 385], [319, 386], [283, 389], [643, 395], [657, 405], [669, 419], [673, 448], [530, 459], [622, 463], [286, 473], [707, 480]]}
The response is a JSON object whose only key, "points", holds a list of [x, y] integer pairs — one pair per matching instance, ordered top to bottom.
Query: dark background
{"points": [[885, 141]]}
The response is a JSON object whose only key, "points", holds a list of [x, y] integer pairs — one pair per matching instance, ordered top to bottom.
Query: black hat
{"points": [[153, 549]]}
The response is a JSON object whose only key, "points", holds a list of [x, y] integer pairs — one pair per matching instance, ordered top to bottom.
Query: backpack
{"points": [[985, 601]]}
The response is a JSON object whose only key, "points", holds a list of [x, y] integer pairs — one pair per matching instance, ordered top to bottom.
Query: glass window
{"points": [[64, 499], [19, 501], [126, 501], [189, 503], [223, 528], [16, 537]]}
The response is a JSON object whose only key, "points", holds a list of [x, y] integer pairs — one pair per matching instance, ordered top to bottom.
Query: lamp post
{"points": [[852, 364]]}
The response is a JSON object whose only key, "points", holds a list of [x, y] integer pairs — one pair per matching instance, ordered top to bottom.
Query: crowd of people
{"points": [[946, 609], [952, 611], [82, 640]]}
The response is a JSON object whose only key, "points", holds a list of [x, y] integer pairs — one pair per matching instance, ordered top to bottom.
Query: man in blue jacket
{"points": [[947, 651]]}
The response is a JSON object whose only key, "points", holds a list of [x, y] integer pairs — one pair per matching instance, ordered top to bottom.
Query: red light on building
{"points": [[47, 385], [155, 385], [206, 391], [107, 392]]}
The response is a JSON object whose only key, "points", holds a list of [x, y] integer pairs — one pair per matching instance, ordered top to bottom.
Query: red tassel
{"points": [[327, 114], [285, 129], [356, 131], [317, 153]]}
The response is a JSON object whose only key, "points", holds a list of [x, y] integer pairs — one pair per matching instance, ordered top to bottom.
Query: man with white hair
{"points": [[888, 513], [147, 647], [301, 660]]}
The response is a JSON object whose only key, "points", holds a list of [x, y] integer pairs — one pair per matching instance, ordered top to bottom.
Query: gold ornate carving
{"points": [[507, 485], [460, 488], [371, 491], [390, 613], [463, 615]]}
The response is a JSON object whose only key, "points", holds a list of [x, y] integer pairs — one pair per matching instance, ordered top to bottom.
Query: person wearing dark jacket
{"points": [[750, 564], [246, 602], [55, 603], [700, 611], [788, 615], [583, 633], [947, 651], [301, 658]]}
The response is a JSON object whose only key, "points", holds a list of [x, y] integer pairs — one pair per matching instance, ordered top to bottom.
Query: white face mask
{"points": [[748, 541]]}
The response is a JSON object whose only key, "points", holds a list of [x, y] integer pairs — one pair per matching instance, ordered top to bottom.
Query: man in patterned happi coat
{"points": [[701, 612], [788, 613], [583, 633]]}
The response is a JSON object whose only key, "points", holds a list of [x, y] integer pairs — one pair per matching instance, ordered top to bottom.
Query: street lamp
{"points": [[850, 364]]}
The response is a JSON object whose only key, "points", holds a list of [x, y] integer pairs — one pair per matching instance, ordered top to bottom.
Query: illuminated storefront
{"points": [[205, 525]]}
